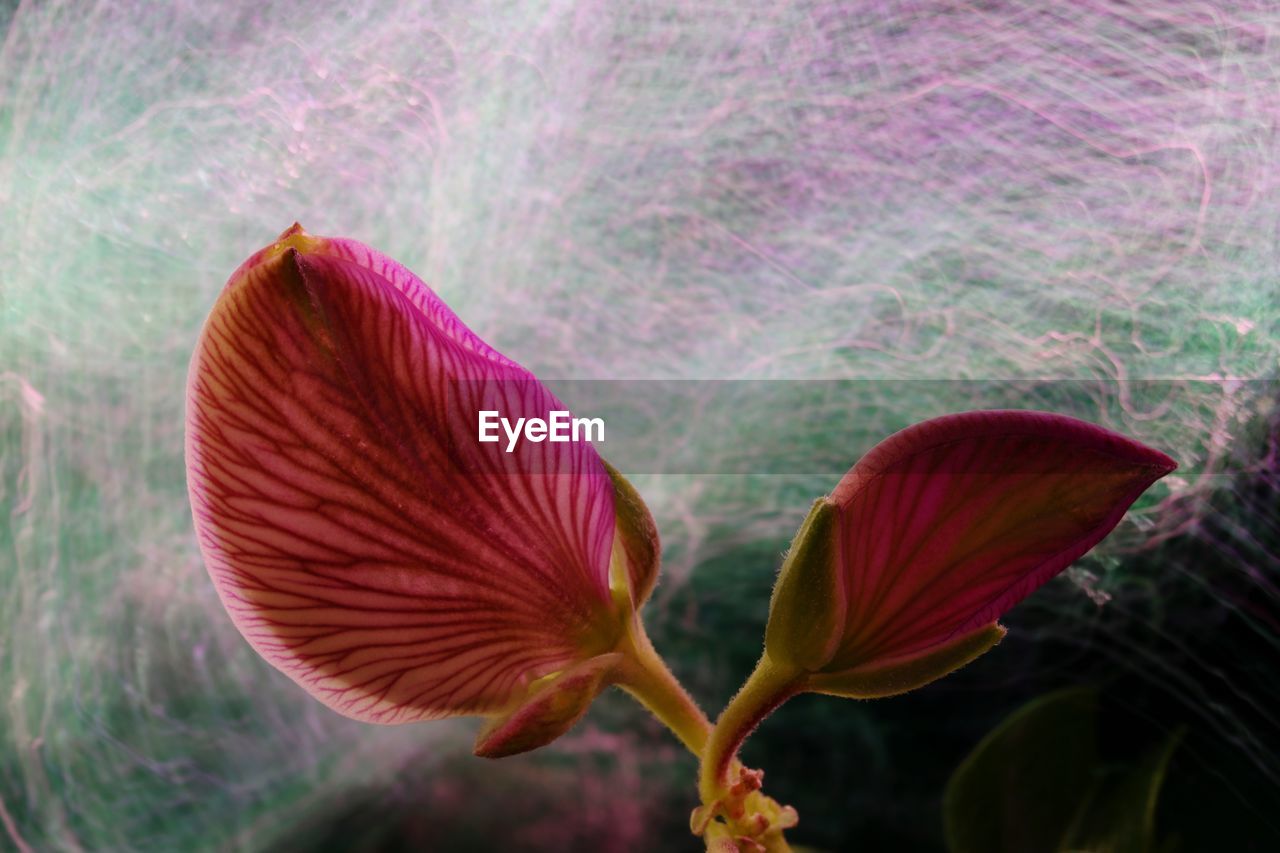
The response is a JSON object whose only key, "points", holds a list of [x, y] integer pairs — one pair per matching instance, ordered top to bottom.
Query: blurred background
{"points": [[913, 207]]}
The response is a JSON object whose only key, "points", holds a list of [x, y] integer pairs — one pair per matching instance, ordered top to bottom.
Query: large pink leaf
{"points": [[946, 525], [359, 535]]}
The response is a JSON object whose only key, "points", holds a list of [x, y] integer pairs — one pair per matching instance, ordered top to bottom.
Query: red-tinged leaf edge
{"points": [[910, 442], [551, 710]]}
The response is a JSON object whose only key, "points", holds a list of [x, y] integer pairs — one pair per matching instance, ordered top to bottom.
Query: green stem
{"points": [[645, 676], [768, 687]]}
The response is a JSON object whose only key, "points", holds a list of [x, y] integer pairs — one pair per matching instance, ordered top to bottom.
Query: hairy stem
{"points": [[645, 676], [768, 687]]}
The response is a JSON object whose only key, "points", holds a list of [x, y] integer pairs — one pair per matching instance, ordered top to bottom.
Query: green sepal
{"points": [[638, 537], [807, 612], [906, 673], [550, 710]]}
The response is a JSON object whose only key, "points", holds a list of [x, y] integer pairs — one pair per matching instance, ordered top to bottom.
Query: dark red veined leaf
{"points": [[944, 526], [359, 535]]}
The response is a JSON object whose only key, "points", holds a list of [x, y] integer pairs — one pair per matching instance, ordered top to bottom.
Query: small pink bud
{"points": [[899, 576]]}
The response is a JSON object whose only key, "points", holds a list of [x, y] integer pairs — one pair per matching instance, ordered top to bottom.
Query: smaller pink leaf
{"points": [[947, 524]]}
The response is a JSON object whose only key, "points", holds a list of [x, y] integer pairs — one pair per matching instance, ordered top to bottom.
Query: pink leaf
{"points": [[944, 526], [361, 537]]}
